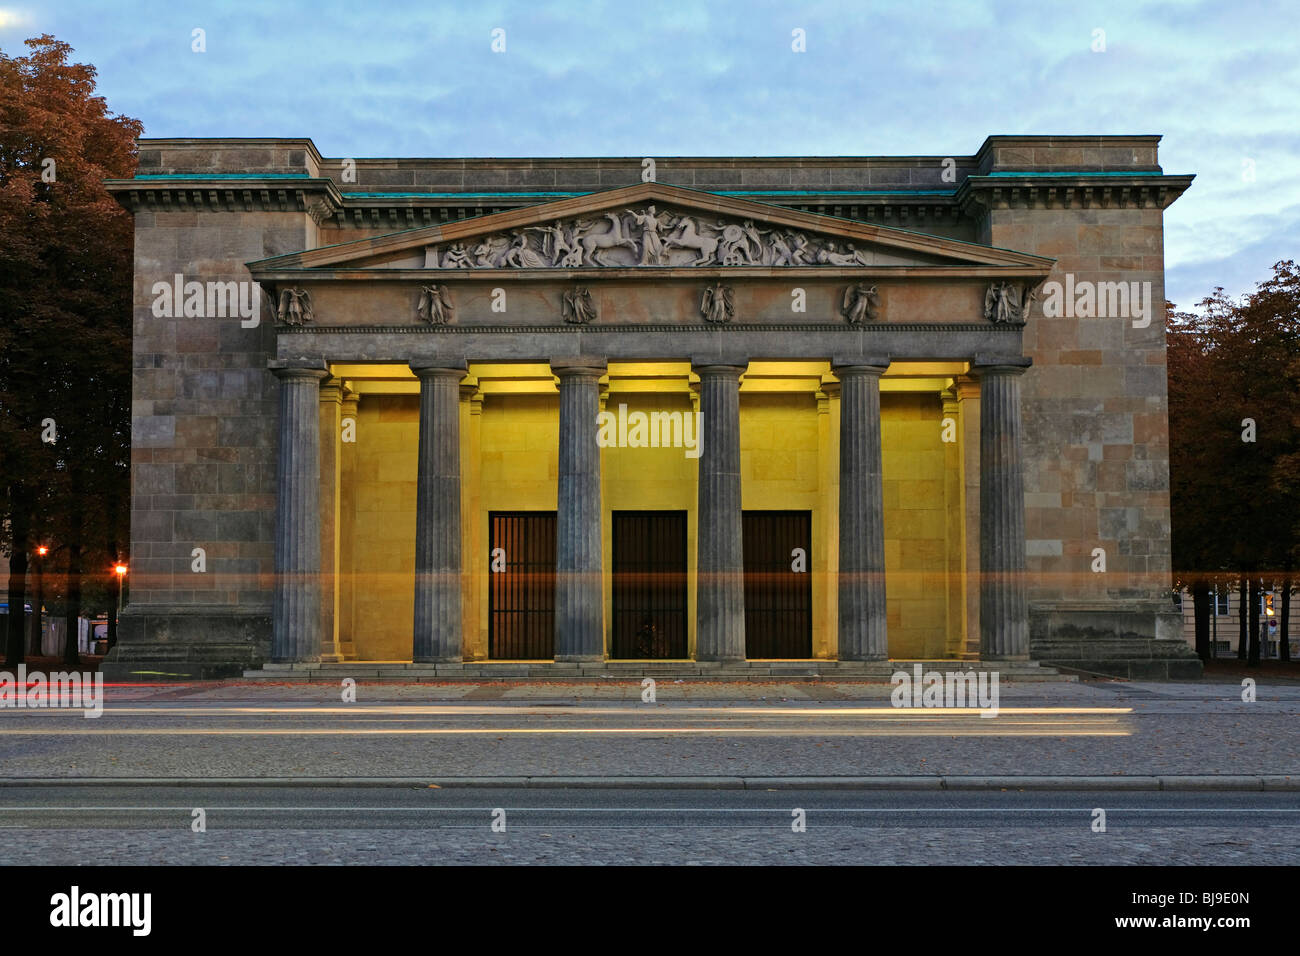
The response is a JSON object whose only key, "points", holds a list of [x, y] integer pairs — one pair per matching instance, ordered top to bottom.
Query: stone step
{"points": [[874, 671]]}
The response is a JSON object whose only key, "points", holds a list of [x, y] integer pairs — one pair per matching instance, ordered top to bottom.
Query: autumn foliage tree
{"points": [[65, 327], [1234, 427]]}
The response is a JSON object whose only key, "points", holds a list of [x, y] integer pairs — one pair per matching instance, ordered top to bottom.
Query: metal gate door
{"points": [[649, 584], [521, 598], [778, 598]]}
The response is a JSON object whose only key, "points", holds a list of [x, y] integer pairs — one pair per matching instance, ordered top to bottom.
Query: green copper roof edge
{"points": [[1074, 172], [156, 176], [152, 177], [718, 192]]}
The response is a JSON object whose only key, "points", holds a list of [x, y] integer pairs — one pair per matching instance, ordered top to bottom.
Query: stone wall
{"points": [[1095, 413], [203, 468]]}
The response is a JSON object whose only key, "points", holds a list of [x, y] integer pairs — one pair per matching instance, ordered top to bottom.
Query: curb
{"points": [[1219, 782]]}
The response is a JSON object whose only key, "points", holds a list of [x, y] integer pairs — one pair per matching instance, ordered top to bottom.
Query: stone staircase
{"points": [[686, 670]]}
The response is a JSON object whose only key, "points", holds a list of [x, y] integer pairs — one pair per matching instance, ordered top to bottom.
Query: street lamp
{"points": [[120, 570], [35, 649]]}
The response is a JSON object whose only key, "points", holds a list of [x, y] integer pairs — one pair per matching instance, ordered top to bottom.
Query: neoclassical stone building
{"points": [[475, 413]]}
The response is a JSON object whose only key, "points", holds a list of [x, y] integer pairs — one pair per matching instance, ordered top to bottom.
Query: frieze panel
{"points": [[648, 236]]}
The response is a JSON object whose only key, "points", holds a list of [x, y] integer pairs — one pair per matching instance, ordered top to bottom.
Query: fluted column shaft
{"points": [[331, 407], [720, 591], [579, 608], [1004, 609], [295, 611], [437, 628], [863, 634]]}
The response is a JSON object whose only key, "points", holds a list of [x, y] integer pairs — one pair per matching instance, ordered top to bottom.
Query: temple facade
{"points": [[471, 415]]}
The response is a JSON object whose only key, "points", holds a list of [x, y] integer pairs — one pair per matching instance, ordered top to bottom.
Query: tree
{"points": [[65, 305], [1234, 421], [1196, 452]]}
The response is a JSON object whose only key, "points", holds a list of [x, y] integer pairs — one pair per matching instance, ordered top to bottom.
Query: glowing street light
{"points": [[120, 570], [38, 632]]}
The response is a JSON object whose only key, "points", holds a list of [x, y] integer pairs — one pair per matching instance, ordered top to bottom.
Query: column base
{"points": [[1138, 640], [188, 642]]}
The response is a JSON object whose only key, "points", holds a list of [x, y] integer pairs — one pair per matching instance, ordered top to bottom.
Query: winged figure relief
{"points": [[435, 305]]}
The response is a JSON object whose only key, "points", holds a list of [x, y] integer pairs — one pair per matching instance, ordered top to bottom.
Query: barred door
{"points": [[649, 586], [521, 598], [778, 598]]}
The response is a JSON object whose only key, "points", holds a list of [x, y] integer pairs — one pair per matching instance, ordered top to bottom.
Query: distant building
{"points": [[1225, 622]]}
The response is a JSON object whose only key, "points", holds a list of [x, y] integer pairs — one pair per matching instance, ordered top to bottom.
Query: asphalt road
{"points": [[279, 732], [267, 825]]}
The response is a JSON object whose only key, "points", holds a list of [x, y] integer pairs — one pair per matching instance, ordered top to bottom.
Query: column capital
{"points": [[987, 364], [859, 365], [579, 366], [438, 368], [719, 368], [298, 369]]}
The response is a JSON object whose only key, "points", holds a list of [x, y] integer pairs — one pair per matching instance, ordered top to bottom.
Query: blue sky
{"points": [[1219, 81]]}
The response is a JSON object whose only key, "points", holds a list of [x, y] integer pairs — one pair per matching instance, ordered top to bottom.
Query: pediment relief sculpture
{"points": [[644, 236]]}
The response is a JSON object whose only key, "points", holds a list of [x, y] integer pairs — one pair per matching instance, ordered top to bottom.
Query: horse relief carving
{"points": [[644, 236]]}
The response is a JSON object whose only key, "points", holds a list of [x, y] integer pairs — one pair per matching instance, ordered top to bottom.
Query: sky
{"points": [[1219, 81]]}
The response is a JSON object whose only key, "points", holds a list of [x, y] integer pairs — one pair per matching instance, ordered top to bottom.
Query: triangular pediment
{"points": [[652, 225]]}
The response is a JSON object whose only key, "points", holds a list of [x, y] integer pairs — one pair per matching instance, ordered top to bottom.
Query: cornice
{"points": [[1069, 190]]}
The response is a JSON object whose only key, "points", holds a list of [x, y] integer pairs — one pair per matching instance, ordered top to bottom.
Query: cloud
{"points": [[414, 78]]}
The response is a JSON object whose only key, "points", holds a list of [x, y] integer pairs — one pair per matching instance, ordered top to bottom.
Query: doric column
{"points": [[968, 401], [331, 407], [826, 522], [473, 544], [720, 576], [347, 583], [1004, 610], [579, 611], [295, 614], [437, 628], [863, 634]]}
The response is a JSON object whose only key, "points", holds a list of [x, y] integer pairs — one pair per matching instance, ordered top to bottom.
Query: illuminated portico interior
{"points": [[789, 423]]}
